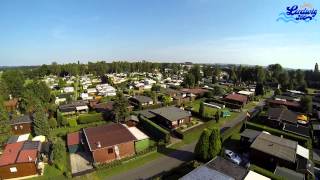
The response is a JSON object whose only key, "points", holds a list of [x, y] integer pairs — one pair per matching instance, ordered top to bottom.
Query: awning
{"points": [[303, 152]]}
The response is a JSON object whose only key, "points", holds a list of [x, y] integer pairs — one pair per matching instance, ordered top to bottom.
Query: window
{"points": [[110, 150], [13, 169]]}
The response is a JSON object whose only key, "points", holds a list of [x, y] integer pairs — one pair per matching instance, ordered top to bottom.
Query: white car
{"points": [[235, 158]]}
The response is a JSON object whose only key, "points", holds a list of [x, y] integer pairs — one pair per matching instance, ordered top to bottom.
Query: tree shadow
{"points": [[181, 155]]}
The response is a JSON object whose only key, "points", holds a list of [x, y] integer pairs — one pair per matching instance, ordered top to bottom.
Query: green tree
{"points": [[316, 68], [195, 71], [233, 75], [189, 80], [14, 81], [259, 89], [277, 92], [306, 104], [121, 107], [202, 110], [217, 116], [59, 118], [53, 122], [40, 123], [5, 128], [214, 143], [202, 146], [59, 154]]}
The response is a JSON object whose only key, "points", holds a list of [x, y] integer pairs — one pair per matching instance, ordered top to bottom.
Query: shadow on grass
{"points": [[181, 155]]}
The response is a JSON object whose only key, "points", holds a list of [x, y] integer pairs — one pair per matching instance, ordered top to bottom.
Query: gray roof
{"points": [[142, 99], [171, 113], [146, 114], [281, 114], [133, 118], [21, 120], [250, 133], [13, 139], [31, 145], [276, 146], [227, 167], [205, 173], [288, 173]]}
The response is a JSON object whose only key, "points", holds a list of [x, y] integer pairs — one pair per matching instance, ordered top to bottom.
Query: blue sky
{"points": [[242, 32]]}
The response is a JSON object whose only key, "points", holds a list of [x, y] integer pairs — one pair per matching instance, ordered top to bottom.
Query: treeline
{"points": [[98, 68]]}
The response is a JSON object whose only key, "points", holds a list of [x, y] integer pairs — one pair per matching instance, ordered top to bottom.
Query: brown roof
{"points": [[196, 91], [237, 97], [11, 103], [285, 103], [105, 106], [107, 135], [73, 138], [28, 155]]}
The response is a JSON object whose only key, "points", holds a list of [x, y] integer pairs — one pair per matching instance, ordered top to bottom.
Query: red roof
{"points": [[237, 97], [107, 135], [73, 138], [10, 153], [28, 155]]}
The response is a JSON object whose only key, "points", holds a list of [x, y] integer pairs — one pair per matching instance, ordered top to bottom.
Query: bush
{"points": [[89, 118], [52, 122], [73, 122], [155, 130], [59, 154]]}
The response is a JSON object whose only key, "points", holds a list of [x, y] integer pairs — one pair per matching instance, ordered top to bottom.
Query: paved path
{"points": [[172, 160]]}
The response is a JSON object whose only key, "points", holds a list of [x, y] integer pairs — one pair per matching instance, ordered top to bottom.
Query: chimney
{"points": [[98, 144], [29, 158]]}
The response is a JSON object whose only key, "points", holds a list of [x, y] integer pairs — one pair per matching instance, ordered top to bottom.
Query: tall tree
{"points": [[316, 68], [195, 70], [233, 75], [189, 80], [14, 81], [259, 89], [306, 104], [121, 107], [201, 109], [40, 123], [5, 128], [215, 143], [202, 146]]}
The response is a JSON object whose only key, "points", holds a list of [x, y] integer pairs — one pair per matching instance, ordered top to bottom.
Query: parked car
{"points": [[233, 157]]}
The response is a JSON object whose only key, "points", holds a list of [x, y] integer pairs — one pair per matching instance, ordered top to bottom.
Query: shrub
{"points": [[89, 118], [52, 122], [73, 122], [155, 130], [265, 172]]}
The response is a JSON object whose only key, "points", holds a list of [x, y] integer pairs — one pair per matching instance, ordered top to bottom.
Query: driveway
{"points": [[80, 163]]}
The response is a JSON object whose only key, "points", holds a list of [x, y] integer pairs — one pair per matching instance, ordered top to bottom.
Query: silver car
{"points": [[235, 158]]}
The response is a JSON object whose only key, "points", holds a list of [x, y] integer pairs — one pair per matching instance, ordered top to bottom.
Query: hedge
{"points": [[89, 118], [73, 122], [154, 130], [230, 131], [277, 132], [265, 172]]}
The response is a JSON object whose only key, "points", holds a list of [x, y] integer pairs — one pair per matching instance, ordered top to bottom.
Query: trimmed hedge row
{"points": [[89, 118], [154, 130], [277, 132], [265, 172]]}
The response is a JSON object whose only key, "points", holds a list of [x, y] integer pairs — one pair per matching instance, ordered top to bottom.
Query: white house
{"points": [[68, 89]]}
